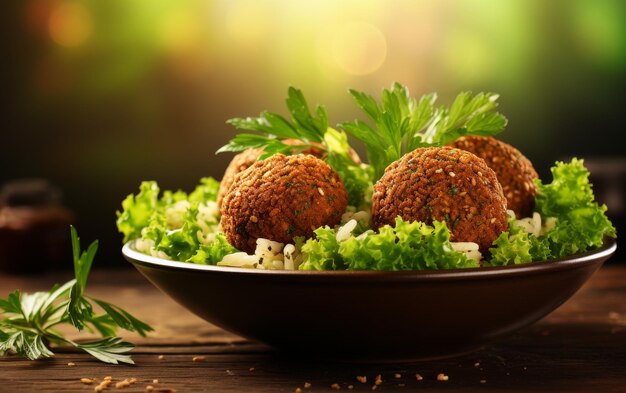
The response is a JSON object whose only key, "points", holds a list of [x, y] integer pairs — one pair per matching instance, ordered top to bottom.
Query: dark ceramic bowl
{"points": [[372, 316]]}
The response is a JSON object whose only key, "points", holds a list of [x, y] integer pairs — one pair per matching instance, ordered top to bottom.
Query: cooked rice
{"points": [[174, 216], [362, 217], [208, 221], [534, 224], [345, 230], [147, 247], [470, 249], [288, 253], [267, 255], [271, 255], [240, 259]]}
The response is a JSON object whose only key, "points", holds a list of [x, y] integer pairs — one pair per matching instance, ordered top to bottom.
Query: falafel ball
{"points": [[248, 157], [239, 163], [514, 171], [444, 184], [280, 198]]}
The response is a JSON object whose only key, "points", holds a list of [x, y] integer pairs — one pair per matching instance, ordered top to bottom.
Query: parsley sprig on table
{"points": [[402, 123], [28, 321]]}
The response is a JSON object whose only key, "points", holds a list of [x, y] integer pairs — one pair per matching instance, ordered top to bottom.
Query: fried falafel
{"points": [[248, 157], [239, 163], [514, 171], [444, 184], [280, 198]]}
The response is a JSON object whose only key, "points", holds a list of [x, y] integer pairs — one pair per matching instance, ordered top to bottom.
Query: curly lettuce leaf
{"points": [[206, 191], [137, 210], [581, 222], [183, 227], [181, 244], [407, 246], [511, 249], [322, 252], [212, 253]]}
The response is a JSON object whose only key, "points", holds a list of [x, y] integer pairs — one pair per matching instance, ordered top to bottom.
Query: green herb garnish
{"points": [[402, 124], [274, 128], [311, 131], [28, 321]]}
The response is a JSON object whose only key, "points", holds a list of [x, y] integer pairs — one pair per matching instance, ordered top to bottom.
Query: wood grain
{"points": [[581, 347]]}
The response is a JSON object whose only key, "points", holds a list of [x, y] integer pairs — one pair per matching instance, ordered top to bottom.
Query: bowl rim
{"points": [[578, 260]]}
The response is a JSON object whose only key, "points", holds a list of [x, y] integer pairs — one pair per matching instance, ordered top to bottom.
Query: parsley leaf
{"points": [[401, 123], [303, 126], [311, 130], [79, 308], [123, 319], [28, 320], [109, 350]]}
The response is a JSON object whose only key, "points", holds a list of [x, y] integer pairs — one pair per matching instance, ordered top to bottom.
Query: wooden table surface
{"points": [[581, 347]]}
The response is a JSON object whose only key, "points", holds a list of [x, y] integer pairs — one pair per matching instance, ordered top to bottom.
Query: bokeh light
{"points": [[246, 23], [70, 24], [600, 32], [359, 48], [468, 57]]}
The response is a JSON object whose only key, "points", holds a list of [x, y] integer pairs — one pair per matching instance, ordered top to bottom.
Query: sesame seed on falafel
{"points": [[514, 171], [444, 184], [280, 198]]}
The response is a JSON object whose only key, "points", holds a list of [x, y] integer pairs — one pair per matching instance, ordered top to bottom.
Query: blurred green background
{"points": [[103, 94]]}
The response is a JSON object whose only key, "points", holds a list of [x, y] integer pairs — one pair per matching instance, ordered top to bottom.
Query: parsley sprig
{"points": [[401, 123], [397, 125], [274, 129], [310, 130], [28, 321]]}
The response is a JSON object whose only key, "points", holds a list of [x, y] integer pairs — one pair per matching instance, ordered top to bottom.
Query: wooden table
{"points": [[581, 347]]}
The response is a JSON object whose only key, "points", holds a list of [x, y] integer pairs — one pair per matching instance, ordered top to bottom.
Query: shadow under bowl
{"points": [[372, 316]]}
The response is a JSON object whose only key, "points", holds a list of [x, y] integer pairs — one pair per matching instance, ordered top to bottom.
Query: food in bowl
{"points": [[514, 171], [443, 184], [280, 198], [418, 204]]}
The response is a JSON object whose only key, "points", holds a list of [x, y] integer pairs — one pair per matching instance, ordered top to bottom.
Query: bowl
{"points": [[372, 316]]}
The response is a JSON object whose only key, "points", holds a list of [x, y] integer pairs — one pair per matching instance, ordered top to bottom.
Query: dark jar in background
{"points": [[34, 228]]}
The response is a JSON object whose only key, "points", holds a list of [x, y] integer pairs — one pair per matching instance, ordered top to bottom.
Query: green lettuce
{"points": [[206, 191], [137, 210], [581, 223], [183, 227], [407, 246], [517, 246], [322, 252], [213, 253]]}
